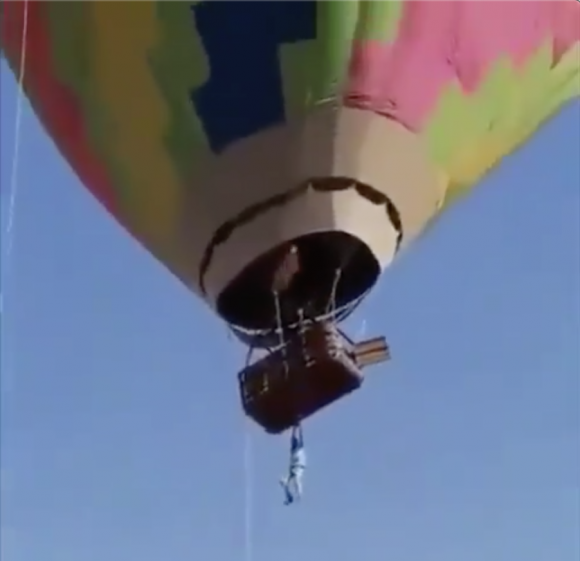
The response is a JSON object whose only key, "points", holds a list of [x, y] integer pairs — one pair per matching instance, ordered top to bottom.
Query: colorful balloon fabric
{"points": [[217, 131]]}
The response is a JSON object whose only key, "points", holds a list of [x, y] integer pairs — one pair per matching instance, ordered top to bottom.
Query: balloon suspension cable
{"points": [[331, 307], [280, 327], [302, 329], [249, 355]]}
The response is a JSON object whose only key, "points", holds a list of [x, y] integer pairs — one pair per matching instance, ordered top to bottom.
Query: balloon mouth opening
{"points": [[336, 269]]}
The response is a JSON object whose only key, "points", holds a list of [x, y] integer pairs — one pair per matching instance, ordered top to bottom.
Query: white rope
{"points": [[13, 186], [13, 190], [248, 494]]}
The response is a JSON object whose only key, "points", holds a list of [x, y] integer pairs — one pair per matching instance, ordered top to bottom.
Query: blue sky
{"points": [[122, 436]]}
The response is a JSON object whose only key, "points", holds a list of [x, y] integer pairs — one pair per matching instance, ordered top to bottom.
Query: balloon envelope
{"points": [[215, 132]]}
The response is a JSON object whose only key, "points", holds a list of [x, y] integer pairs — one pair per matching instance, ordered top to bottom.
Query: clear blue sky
{"points": [[122, 436]]}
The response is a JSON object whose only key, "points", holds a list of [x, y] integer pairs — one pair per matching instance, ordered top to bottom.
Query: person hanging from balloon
{"points": [[295, 226], [292, 483]]}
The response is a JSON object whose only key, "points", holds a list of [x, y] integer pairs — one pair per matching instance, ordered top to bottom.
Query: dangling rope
{"points": [[17, 131], [13, 186], [13, 189], [248, 466], [248, 494]]}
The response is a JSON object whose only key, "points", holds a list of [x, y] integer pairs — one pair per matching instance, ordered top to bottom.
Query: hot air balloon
{"points": [[277, 156]]}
